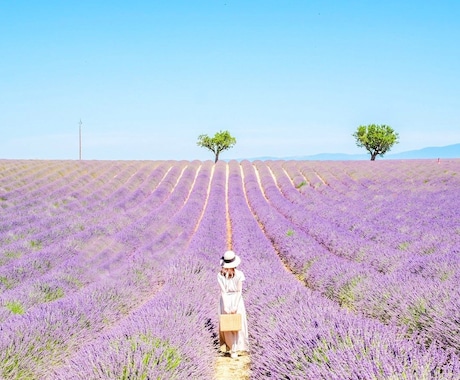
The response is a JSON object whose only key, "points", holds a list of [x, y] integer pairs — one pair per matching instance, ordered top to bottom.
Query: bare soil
{"points": [[227, 368], [232, 369]]}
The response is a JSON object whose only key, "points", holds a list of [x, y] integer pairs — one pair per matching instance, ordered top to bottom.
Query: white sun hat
{"points": [[230, 260]]}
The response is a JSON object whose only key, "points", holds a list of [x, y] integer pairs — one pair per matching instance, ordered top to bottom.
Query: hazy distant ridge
{"points": [[449, 151]]}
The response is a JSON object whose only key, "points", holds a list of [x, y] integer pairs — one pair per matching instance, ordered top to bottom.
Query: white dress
{"points": [[231, 299]]}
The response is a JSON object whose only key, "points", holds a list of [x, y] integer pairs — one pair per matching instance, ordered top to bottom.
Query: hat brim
{"points": [[233, 264]]}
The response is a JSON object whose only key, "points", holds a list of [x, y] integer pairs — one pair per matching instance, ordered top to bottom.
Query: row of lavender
{"points": [[407, 204], [39, 239], [118, 262], [378, 277], [168, 329], [297, 333], [173, 335], [317, 340]]}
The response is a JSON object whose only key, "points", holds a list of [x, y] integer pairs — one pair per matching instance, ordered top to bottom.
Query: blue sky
{"points": [[286, 78]]}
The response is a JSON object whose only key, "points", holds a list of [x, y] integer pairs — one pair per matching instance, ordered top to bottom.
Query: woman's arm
{"points": [[220, 280]]}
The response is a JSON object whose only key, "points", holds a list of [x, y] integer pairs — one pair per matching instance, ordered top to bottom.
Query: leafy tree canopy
{"points": [[377, 139], [221, 141]]}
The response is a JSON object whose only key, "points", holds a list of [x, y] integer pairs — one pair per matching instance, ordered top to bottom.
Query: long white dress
{"points": [[231, 299]]}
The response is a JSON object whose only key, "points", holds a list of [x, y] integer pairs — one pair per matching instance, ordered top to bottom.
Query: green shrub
{"points": [[15, 307]]}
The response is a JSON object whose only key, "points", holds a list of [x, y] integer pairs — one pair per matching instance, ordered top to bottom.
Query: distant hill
{"points": [[449, 151]]}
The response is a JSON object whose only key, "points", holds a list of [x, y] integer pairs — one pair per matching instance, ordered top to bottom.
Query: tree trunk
{"points": [[373, 155], [217, 157]]}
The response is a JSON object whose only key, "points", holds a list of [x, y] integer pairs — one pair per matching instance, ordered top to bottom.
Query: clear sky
{"points": [[285, 77]]}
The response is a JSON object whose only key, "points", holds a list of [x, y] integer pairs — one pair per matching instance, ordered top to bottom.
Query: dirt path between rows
{"points": [[227, 368], [232, 369]]}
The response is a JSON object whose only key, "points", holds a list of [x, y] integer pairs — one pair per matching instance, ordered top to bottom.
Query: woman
{"points": [[230, 281]]}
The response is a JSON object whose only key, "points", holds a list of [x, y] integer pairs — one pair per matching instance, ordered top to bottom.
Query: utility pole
{"points": [[79, 130]]}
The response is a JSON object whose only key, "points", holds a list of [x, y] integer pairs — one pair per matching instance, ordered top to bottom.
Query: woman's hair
{"points": [[227, 272]]}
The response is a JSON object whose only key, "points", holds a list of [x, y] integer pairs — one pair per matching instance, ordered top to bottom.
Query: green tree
{"points": [[377, 139], [221, 141]]}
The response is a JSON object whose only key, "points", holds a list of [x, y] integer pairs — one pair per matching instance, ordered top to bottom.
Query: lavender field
{"points": [[108, 268]]}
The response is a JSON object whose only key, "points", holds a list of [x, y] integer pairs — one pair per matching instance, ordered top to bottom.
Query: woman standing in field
{"points": [[230, 281]]}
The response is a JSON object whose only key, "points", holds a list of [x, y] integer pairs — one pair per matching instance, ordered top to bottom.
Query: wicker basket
{"points": [[230, 322]]}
